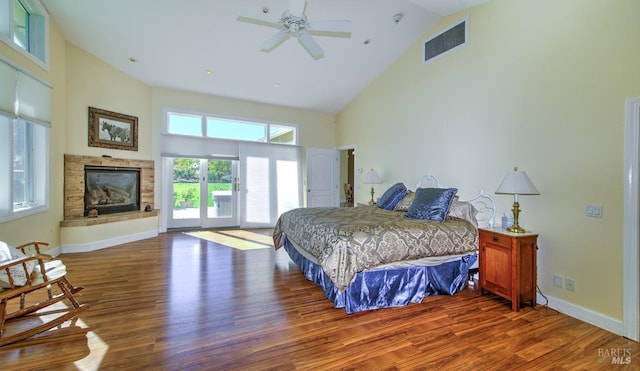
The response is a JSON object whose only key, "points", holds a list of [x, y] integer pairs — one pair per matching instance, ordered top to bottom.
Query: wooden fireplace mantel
{"points": [[109, 218]]}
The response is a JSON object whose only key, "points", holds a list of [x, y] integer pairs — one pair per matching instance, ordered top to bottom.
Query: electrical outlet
{"points": [[557, 280], [570, 284]]}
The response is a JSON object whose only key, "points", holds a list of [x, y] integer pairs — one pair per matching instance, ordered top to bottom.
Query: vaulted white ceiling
{"points": [[199, 46]]}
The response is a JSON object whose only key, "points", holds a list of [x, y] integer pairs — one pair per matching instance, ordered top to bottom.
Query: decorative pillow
{"points": [[392, 196], [406, 201], [431, 203], [463, 210], [8, 252]]}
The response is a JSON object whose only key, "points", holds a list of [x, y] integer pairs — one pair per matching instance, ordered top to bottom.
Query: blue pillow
{"points": [[392, 196], [431, 203]]}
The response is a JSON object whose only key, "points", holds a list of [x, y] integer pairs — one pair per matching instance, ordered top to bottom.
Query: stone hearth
{"points": [[79, 233]]}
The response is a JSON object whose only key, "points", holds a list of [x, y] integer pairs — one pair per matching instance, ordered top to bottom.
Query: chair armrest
{"points": [[35, 244], [22, 262]]}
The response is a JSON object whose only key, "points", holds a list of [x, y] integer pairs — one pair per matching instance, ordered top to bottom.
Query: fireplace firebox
{"points": [[111, 190]]}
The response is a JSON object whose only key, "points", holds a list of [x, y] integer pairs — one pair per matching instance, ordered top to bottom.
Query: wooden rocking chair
{"points": [[32, 275]]}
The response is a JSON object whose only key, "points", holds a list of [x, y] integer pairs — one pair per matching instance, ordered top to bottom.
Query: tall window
{"points": [[24, 26], [223, 128], [24, 144]]}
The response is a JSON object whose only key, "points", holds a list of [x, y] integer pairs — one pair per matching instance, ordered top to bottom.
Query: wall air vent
{"points": [[447, 41]]}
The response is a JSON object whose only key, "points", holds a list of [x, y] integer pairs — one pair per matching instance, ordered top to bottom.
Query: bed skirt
{"points": [[383, 288]]}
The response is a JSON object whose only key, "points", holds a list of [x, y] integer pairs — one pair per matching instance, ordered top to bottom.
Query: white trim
{"points": [[631, 240], [97, 245], [583, 314]]}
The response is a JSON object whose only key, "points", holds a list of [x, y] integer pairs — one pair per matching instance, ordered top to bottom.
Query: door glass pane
{"points": [[186, 188], [219, 189]]}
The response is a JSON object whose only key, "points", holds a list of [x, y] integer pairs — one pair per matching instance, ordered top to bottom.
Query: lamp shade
{"points": [[372, 178], [517, 183]]}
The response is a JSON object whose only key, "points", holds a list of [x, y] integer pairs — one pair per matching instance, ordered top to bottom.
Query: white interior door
{"points": [[322, 177]]}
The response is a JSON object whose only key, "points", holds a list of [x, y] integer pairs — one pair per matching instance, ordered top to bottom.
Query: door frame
{"points": [[356, 185], [202, 221], [631, 238]]}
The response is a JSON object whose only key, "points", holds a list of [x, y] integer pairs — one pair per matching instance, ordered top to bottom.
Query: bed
{"points": [[397, 252]]}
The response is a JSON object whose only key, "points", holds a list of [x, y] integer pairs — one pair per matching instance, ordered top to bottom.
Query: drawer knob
{"points": [[495, 239]]}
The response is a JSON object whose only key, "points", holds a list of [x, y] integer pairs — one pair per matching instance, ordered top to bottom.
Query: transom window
{"points": [[24, 26], [223, 128]]}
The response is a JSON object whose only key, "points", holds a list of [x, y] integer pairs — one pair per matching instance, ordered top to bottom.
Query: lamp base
{"points": [[372, 202], [516, 229]]}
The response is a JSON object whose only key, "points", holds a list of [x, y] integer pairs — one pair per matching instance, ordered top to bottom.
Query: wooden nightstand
{"points": [[508, 265]]}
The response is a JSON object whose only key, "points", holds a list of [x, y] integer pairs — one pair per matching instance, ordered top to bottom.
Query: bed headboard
{"points": [[429, 181], [484, 204], [486, 207]]}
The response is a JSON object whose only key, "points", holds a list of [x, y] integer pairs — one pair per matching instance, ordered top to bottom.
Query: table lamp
{"points": [[372, 178], [516, 183]]}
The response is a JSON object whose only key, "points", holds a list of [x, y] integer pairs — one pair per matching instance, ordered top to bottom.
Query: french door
{"points": [[204, 193]]}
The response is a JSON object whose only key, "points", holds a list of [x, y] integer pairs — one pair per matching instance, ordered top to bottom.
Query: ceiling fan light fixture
{"points": [[294, 22]]}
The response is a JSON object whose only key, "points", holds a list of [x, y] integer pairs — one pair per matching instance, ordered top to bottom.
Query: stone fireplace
{"points": [[112, 186]]}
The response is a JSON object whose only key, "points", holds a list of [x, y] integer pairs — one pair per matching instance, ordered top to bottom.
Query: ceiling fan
{"points": [[294, 22]]}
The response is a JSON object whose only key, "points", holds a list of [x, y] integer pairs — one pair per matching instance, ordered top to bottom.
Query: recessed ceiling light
{"points": [[265, 10], [367, 42], [132, 59], [207, 71], [276, 85]]}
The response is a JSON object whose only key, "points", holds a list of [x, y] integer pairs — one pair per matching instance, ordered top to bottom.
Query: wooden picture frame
{"points": [[112, 130]]}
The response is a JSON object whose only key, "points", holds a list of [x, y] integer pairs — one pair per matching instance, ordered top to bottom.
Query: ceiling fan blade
{"points": [[296, 7], [261, 19], [332, 28], [276, 40], [310, 45]]}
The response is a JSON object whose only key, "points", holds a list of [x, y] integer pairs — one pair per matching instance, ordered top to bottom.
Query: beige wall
{"points": [[91, 82], [541, 86]]}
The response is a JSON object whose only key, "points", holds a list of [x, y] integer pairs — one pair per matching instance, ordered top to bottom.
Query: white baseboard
{"points": [[97, 245], [583, 314]]}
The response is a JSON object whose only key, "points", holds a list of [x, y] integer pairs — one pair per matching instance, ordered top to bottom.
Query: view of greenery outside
{"points": [[186, 181]]}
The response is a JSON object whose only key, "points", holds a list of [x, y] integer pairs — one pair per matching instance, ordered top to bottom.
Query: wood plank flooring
{"points": [[176, 302]]}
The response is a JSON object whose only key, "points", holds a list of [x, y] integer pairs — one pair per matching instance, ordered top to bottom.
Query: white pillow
{"points": [[8, 252]]}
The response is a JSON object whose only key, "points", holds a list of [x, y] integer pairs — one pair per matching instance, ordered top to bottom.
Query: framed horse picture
{"points": [[112, 130]]}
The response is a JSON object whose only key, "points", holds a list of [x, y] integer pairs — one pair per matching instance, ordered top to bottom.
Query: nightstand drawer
{"points": [[496, 239]]}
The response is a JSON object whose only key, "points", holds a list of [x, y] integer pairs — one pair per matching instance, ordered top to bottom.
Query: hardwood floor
{"points": [[177, 302]]}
